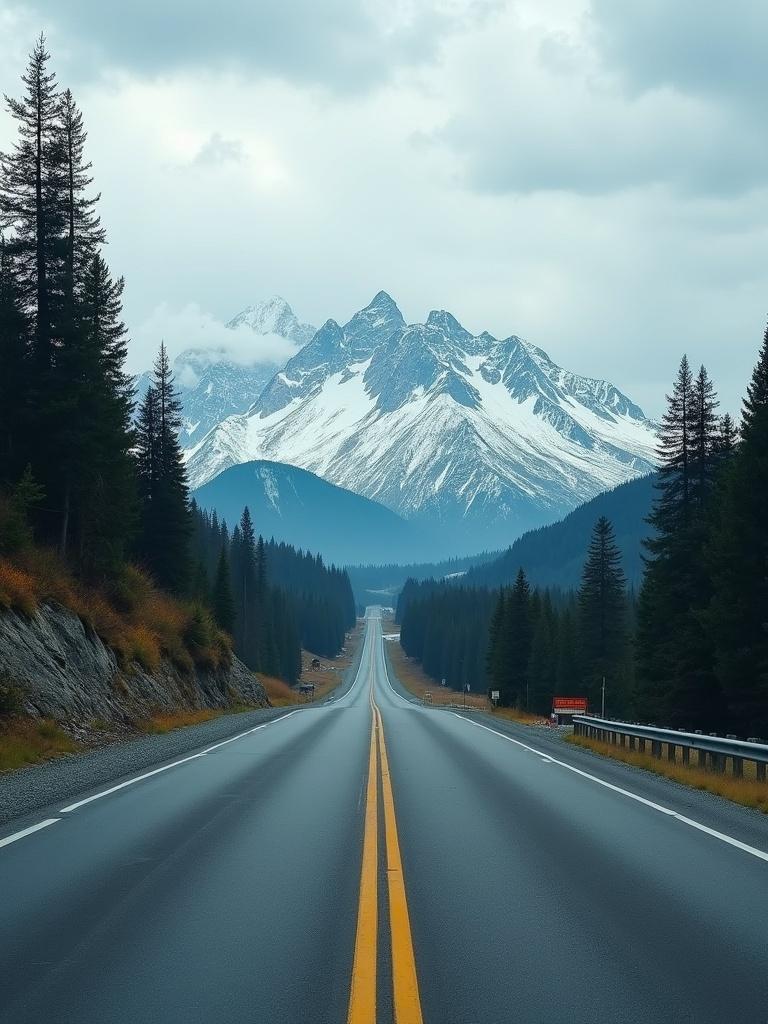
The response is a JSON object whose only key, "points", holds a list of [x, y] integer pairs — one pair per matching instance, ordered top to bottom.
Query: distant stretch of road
{"points": [[373, 860]]}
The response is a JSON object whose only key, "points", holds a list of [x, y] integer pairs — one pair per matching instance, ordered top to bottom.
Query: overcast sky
{"points": [[592, 176]]}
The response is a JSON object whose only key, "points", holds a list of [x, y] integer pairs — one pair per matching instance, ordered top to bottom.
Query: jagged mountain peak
{"points": [[273, 316], [380, 318], [446, 322], [439, 424]]}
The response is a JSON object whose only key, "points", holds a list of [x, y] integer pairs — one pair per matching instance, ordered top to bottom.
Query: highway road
{"points": [[372, 860]]}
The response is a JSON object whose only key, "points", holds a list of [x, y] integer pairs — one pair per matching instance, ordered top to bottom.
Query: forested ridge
{"points": [[94, 502], [690, 650]]}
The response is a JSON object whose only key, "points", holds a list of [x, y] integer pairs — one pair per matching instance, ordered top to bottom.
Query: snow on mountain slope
{"points": [[213, 385], [471, 432]]}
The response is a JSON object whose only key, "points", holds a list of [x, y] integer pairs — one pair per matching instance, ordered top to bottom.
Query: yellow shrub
{"points": [[18, 590], [135, 619], [145, 647]]}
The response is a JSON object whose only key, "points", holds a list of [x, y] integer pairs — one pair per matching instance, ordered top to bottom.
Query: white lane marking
{"points": [[404, 700], [174, 764], [28, 831], [760, 854]]}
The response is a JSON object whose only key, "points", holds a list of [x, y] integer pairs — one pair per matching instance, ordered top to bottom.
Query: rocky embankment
{"points": [[65, 671]]}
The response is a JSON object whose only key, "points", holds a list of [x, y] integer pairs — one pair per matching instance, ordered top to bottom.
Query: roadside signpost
{"points": [[495, 697], [568, 706]]}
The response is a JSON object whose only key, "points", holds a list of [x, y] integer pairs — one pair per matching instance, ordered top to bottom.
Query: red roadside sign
{"points": [[569, 705]]}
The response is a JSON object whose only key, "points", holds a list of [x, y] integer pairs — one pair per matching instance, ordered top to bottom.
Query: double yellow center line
{"points": [[405, 986]]}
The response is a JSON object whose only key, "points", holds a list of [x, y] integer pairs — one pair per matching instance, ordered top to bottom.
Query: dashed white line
{"points": [[174, 764], [28, 831], [753, 851]]}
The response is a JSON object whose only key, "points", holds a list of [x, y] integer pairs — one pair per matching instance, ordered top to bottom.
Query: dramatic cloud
{"points": [[341, 44], [709, 49], [536, 110], [589, 174], [193, 328]]}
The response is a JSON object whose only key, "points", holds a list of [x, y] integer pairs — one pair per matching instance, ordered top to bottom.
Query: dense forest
{"points": [[86, 478], [553, 556], [271, 597], [691, 650]]}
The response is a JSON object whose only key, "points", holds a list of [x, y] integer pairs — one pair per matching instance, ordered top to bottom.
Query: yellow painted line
{"points": [[405, 983], [362, 996]]}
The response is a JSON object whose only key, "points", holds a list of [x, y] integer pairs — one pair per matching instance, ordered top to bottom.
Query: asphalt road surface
{"points": [[373, 860]]}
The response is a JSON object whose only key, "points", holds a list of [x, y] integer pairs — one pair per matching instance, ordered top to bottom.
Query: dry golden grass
{"points": [[17, 589], [139, 622], [325, 679], [417, 682], [280, 694], [518, 715], [166, 721], [25, 740], [747, 791]]}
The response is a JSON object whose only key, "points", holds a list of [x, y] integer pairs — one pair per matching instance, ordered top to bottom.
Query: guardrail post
{"points": [[632, 742], [656, 748], [671, 752], [686, 755], [717, 760], [738, 767], [760, 769]]}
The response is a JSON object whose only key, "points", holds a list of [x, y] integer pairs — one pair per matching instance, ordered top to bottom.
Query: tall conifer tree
{"points": [[15, 372], [165, 513], [737, 556], [602, 617]]}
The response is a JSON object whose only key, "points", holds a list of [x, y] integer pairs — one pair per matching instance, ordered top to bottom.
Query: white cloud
{"points": [[525, 166], [191, 327]]}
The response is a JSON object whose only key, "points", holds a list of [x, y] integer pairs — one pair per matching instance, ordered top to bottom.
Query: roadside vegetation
{"points": [[95, 510], [129, 613], [690, 650], [325, 678], [417, 682], [25, 741], [747, 791]]}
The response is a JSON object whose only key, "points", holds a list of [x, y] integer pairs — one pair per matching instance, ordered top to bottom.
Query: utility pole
{"points": [[602, 711]]}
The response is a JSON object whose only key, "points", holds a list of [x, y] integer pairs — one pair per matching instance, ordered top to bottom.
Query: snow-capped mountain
{"points": [[213, 386], [485, 437]]}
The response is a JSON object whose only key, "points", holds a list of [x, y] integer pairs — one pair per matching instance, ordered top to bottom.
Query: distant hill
{"points": [[295, 506], [554, 555]]}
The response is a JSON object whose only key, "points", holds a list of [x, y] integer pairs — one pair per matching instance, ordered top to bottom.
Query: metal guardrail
{"points": [[712, 751]]}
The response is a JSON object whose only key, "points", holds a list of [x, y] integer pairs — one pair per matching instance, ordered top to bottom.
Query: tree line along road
{"points": [[372, 860]]}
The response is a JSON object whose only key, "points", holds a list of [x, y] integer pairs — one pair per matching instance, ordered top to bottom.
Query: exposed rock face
{"points": [[66, 672]]}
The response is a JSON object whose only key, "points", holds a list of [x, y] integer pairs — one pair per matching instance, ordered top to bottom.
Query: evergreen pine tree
{"points": [[31, 181], [15, 371], [97, 436], [726, 438], [165, 513], [737, 557], [223, 602], [602, 618], [517, 626], [497, 656], [542, 668], [675, 682]]}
